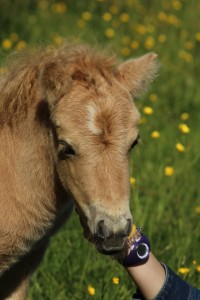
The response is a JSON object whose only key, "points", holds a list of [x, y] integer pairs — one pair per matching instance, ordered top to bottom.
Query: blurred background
{"points": [[165, 167]]}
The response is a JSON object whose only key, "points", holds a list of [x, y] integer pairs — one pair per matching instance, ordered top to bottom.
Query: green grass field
{"points": [[165, 167]]}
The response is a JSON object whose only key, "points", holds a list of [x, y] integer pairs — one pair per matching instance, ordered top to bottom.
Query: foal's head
{"points": [[96, 126]]}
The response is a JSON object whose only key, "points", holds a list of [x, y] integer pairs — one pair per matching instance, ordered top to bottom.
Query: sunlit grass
{"points": [[164, 180]]}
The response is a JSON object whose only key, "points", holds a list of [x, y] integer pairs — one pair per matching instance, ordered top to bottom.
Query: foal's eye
{"points": [[135, 142], [66, 150]]}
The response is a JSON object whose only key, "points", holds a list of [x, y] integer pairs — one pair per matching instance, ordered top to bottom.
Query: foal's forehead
{"points": [[106, 101], [102, 108], [111, 120]]}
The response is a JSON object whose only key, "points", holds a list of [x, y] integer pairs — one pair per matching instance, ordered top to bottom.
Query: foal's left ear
{"points": [[136, 74], [55, 82]]}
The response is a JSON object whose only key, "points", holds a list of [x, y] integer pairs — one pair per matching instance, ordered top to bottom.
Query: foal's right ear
{"points": [[55, 82]]}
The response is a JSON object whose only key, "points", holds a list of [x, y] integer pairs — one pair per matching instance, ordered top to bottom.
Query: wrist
{"points": [[138, 248]]}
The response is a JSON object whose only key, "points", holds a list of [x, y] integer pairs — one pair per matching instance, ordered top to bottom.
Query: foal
{"points": [[67, 125]]}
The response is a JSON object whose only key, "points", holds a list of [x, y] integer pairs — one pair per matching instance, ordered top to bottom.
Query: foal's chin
{"points": [[112, 252], [116, 252], [117, 255]]}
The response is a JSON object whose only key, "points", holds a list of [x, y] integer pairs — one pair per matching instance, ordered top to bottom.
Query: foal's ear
{"points": [[136, 74], [55, 82]]}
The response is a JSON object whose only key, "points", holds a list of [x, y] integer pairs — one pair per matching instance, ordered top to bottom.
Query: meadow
{"points": [[165, 166]]}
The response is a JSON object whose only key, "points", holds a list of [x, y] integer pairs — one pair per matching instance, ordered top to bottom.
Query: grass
{"points": [[167, 207]]}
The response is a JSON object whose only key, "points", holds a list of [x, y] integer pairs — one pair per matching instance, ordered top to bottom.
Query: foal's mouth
{"points": [[110, 245], [113, 245], [117, 253]]}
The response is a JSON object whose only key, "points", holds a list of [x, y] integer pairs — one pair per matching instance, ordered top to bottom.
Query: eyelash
{"points": [[135, 142], [66, 150]]}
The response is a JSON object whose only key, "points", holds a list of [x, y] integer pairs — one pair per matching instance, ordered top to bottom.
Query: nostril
{"points": [[101, 232], [100, 237]]}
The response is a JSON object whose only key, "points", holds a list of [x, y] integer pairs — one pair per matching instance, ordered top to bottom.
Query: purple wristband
{"points": [[139, 252]]}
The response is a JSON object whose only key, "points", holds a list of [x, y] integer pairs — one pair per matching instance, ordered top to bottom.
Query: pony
{"points": [[68, 123]]}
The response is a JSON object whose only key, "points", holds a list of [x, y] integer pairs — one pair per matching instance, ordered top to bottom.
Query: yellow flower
{"points": [[176, 5], [59, 7], [114, 9], [86, 15], [107, 16], [162, 16], [124, 17], [173, 20], [81, 23], [141, 29], [110, 33], [197, 36], [14, 37], [162, 38], [57, 40], [149, 43], [6, 44], [21, 45], [134, 45], [189, 45], [125, 51], [186, 56], [153, 97], [148, 110], [184, 116], [142, 121], [184, 128], [155, 134], [180, 147], [169, 171], [132, 181], [197, 209], [194, 262], [198, 268], [183, 270], [115, 280], [91, 290]]}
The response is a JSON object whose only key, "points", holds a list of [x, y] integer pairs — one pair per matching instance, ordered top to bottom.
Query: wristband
{"points": [[139, 248]]}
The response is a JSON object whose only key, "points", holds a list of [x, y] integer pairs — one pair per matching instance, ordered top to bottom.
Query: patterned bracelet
{"points": [[139, 248]]}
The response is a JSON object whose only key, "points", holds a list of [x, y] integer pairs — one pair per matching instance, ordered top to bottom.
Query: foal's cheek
{"points": [[63, 171], [68, 174]]}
